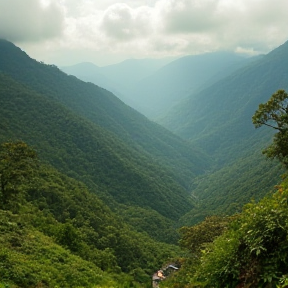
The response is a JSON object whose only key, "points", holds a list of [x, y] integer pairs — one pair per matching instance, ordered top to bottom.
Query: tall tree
{"points": [[274, 114], [18, 161]]}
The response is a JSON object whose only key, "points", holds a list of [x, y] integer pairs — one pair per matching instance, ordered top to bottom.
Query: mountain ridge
{"points": [[258, 87], [104, 109]]}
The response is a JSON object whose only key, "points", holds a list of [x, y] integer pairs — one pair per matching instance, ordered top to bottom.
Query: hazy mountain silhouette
{"points": [[153, 86], [221, 114]]}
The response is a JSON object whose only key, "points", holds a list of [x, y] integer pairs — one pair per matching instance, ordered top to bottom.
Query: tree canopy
{"points": [[274, 114], [17, 163]]}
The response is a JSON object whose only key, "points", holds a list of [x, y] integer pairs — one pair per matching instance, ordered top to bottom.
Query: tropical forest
{"points": [[106, 184]]}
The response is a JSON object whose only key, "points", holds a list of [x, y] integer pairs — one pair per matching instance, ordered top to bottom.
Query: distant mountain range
{"points": [[117, 78], [153, 86]]}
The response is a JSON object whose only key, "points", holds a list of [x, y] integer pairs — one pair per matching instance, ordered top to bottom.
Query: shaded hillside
{"points": [[131, 71], [89, 72], [152, 89], [106, 110], [87, 152], [226, 190]]}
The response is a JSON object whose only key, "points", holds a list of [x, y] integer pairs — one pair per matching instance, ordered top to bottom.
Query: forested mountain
{"points": [[131, 71], [90, 72], [117, 78], [225, 108], [106, 110], [219, 119], [89, 134], [89, 153], [123, 161], [109, 187], [224, 191], [248, 249]]}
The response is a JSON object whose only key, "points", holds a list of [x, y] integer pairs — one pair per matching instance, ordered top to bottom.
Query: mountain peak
{"points": [[280, 51]]}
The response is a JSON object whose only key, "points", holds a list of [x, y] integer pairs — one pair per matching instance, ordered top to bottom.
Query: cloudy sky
{"points": [[66, 32]]}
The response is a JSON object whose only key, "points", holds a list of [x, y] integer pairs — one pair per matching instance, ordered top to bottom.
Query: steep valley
{"points": [[93, 193]]}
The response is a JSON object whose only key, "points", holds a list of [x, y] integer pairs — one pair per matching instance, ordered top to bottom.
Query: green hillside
{"points": [[226, 107], [106, 110], [218, 119], [88, 133], [88, 153], [226, 190], [97, 195], [56, 233], [246, 250]]}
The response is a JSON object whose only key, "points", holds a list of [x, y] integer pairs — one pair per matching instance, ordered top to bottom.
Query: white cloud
{"points": [[186, 16], [30, 20], [124, 23], [224, 24], [144, 28]]}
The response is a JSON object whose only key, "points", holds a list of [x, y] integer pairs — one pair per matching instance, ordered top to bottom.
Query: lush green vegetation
{"points": [[226, 107], [104, 109], [274, 114], [218, 118], [89, 134], [89, 153], [225, 191], [92, 192], [52, 223], [249, 249], [250, 252]]}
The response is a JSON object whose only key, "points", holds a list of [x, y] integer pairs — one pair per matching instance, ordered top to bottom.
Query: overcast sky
{"points": [[66, 32]]}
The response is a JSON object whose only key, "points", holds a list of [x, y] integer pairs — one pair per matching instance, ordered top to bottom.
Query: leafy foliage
{"points": [[274, 113], [17, 162], [193, 238], [256, 244], [251, 252], [31, 259]]}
